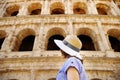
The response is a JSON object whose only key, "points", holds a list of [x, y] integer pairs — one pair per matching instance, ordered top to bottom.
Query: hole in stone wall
{"points": [[119, 6], [34, 8], [57, 8], [79, 8], [12, 10], [57, 11], [79, 11], [101, 11], [36, 12], [14, 13], [1, 42], [27, 43], [87, 43], [115, 43], [51, 44], [52, 79], [96, 79]]}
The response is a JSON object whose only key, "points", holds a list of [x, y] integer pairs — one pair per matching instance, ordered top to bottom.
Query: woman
{"points": [[72, 68]]}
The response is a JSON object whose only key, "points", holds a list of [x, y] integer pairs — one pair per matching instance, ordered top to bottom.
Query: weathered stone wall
{"points": [[97, 19]]}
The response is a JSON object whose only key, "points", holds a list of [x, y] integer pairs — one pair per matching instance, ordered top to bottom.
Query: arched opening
{"points": [[119, 6], [57, 8], [79, 8], [35, 9], [102, 9], [12, 10], [57, 11], [35, 12], [14, 13], [2, 37], [114, 38], [24, 40], [1, 42], [27, 43], [87, 43], [115, 43], [51, 44], [52, 79], [95, 79]]}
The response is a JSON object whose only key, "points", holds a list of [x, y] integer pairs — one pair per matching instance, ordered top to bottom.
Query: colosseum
{"points": [[28, 28]]}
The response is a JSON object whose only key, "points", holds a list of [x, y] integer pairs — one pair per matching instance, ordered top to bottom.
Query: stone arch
{"points": [[119, 6], [35, 8], [57, 8], [79, 8], [103, 9], [12, 10], [54, 33], [2, 37], [87, 37], [114, 38], [24, 39], [52, 79], [96, 79]]}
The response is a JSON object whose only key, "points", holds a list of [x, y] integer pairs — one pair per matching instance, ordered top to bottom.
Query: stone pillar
{"points": [[45, 7], [68, 7], [91, 7], [114, 8], [2, 9], [24, 9], [70, 26], [103, 36], [9, 41], [41, 41], [99, 43], [35, 46]]}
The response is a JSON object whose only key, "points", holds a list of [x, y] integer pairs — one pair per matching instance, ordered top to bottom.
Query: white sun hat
{"points": [[71, 45]]}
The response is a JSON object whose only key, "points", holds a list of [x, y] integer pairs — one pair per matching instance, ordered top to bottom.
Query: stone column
{"points": [[45, 7], [68, 7], [91, 7], [114, 8], [2, 9], [23, 10], [70, 26], [103, 36], [9, 41], [39, 42], [99, 43], [35, 46]]}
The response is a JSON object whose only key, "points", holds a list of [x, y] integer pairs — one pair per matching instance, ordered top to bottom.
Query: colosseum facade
{"points": [[28, 28]]}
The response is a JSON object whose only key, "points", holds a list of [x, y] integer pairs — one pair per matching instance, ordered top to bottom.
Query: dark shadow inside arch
{"points": [[57, 11], [79, 11], [101, 11], [36, 12], [14, 13], [1, 42], [27, 43], [87, 43], [115, 43], [51, 44], [52, 79], [96, 79]]}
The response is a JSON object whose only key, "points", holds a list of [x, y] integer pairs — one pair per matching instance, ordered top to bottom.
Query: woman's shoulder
{"points": [[73, 59]]}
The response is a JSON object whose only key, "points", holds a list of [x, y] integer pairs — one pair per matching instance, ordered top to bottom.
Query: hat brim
{"points": [[66, 49]]}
